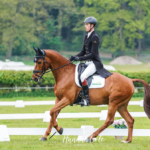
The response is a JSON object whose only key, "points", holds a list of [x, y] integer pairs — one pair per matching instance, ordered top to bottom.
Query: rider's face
{"points": [[88, 26]]}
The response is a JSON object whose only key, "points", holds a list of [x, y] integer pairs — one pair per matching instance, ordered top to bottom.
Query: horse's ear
{"points": [[35, 49], [41, 51]]}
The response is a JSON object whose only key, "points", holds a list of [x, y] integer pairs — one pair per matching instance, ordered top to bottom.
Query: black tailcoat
{"points": [[90, 52]]}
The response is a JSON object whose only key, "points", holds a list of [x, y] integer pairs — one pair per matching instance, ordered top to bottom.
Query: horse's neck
{"points": [[58, 61]]}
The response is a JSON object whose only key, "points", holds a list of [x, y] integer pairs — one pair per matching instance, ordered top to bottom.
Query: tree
{"points": [[141, 19], [120, 22], [17, 31], [51, 40]]}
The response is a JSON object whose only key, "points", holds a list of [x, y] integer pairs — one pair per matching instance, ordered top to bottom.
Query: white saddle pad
{"points": [[97, 81]]}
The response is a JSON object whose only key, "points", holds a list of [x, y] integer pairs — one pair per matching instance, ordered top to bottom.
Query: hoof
{"points": [[61, 131], [42, 139], [88, 140], [125, 141]]}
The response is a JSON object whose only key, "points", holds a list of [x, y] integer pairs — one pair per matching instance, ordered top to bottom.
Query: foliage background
{"points": [[58, 24]]}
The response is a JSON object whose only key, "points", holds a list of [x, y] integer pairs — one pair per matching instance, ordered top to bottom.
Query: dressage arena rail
{"points": [[21, 103], [46, 116], [67, 131], [77, 131], [82, 132]]}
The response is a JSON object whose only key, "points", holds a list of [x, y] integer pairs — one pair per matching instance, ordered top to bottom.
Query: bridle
{"points": [[43, 71]]}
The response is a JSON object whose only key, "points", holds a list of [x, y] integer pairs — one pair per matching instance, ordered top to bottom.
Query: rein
{"points": [[43, 68]]}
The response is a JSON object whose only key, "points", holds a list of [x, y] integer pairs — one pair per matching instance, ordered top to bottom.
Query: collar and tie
{"points": [[89, 34]]}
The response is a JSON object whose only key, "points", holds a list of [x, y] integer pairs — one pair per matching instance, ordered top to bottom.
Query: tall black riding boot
{"points": [[85, 88]]}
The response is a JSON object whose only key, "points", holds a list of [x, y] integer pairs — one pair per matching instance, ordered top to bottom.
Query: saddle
{"points": [[94, 81]]}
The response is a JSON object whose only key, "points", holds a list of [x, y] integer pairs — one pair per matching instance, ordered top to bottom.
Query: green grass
{"points": [[31, 63], [129, 68], [133, 68], [32, 142], [108, 143]]}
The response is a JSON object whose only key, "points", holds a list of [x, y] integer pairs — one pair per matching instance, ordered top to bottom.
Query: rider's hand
{"points": [[71, 58], [76, 58]]}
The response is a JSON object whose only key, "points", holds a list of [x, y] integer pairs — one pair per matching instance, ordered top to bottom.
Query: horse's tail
{"points": [[146, 96]]}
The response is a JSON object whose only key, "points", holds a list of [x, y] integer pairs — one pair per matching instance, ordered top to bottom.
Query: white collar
{"points": [[89, 33]]}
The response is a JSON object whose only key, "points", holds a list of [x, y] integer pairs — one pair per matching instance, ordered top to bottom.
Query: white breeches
{"points": [[91, 69]]}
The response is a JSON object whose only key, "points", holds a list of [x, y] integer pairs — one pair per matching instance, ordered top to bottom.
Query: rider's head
{"points": [[90, 23]]}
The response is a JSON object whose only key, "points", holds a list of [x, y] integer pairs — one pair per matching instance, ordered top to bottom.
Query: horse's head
{"points": [[42, 63]]}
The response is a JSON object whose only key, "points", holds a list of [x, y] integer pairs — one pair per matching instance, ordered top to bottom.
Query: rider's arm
{"points": [[94, 50]]}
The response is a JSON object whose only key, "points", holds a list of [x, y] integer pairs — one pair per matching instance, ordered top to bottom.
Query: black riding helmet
{"points": [[90, 20]]}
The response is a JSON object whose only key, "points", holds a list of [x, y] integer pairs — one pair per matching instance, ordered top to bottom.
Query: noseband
{"points": [[43, 71]]}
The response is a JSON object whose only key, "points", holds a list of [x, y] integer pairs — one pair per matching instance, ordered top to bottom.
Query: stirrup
{"points": [[84, 102]]}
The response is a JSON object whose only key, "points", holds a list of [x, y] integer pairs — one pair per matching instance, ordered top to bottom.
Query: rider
{"points": [[90, 54]]}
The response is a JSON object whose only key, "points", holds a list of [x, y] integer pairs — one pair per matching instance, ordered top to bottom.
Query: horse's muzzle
{"points": [[35, 79]]}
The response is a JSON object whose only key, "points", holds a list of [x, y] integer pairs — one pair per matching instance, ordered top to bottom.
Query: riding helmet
{"points": [[90, 20]]}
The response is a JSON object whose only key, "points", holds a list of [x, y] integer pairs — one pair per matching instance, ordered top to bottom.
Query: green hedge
{"points": [[137, 75], [24, 78]]}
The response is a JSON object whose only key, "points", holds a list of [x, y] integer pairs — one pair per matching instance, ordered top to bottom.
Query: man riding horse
{"points": [[90, 54], [116, 92]]}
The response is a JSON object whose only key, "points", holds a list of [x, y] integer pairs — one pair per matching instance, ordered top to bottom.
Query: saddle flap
{"points": [[81, 68], [94, 81]]}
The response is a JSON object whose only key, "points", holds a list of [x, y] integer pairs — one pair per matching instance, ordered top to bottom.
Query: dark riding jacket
{"points": [[90, 52]]}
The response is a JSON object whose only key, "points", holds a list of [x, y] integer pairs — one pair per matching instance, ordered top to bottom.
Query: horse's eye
{"points": [[39, 62]]}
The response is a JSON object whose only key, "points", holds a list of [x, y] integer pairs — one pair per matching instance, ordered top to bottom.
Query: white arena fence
{"points": [[21, 103], [46, 116], [77, 131], [82, 132]]}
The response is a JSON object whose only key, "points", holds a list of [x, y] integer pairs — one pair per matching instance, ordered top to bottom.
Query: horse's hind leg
{"points": [[110, 119], [129, 119]]}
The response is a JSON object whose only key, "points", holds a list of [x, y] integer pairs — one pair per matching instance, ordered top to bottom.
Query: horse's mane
{"points": [[54, 51]]}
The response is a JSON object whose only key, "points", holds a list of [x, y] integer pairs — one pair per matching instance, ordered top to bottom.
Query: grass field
{"points": [[130, 68], [133, 68], [32, 142]]}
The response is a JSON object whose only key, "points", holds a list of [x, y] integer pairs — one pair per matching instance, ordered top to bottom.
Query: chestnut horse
{"points": [[117, 92]]}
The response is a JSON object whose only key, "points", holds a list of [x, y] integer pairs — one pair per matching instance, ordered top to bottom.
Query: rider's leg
{"points": [[91, 69]]}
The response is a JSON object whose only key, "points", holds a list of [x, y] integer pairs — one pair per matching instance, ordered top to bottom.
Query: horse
{"points": [[116, 93]]}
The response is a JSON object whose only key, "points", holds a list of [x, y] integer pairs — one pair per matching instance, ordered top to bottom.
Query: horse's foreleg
{"points": [[62, 103], [110, 119], [54, 122], [51, 125], [44, 137]]}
